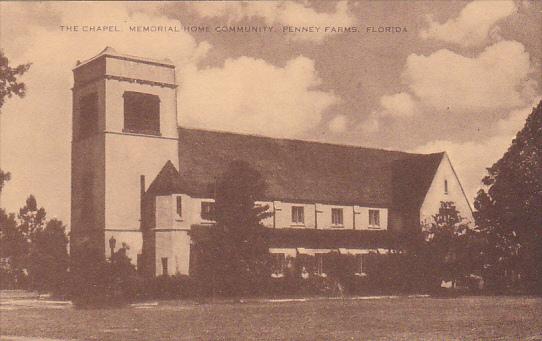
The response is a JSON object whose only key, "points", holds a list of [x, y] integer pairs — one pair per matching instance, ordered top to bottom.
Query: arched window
{"points": [[445, 186]]}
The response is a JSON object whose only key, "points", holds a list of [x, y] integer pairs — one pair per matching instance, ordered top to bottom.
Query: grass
{"points": [[465, 318]]}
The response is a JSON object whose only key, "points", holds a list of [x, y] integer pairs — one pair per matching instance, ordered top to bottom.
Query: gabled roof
{"points": [[301, 171], [412, 178], [168, 181]]}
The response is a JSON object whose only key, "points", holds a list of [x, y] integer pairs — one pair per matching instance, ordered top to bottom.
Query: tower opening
{"points": [[141, 113]]}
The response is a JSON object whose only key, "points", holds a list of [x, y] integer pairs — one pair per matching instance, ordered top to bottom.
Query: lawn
{"points": [[466, 318]]}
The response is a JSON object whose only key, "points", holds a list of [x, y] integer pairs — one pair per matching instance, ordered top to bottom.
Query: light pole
{"points": [[112, 244]]}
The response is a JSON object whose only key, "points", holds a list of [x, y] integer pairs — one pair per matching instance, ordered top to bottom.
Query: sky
{"points": [[459, 77]]}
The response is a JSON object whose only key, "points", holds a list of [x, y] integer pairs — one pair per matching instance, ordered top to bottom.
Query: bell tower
{"points": [[124, 130]]}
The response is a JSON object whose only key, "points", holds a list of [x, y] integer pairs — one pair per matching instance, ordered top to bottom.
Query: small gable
{"points": [[168, 181]]}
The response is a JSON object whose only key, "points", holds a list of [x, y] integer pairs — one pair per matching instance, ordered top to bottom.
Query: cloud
{"points": [[286, 13], [474, 25], [498, 78], [495, 80], [251, 95], [398, 105], [338, 124], [370, 125], [36, 130], [471, 158]]}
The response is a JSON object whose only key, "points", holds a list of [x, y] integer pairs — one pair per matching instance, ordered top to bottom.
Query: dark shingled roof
{"points": [[300, 171], [412, 179], [168, 181]]}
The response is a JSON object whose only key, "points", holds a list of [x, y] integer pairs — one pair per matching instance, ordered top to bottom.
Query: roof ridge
{"points": [[109, 51], [307, 141]]}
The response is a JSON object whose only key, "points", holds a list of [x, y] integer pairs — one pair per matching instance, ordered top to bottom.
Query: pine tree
{"points": [[238, 243]]}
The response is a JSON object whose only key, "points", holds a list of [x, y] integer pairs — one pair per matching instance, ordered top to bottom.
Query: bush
{"points": [[97, 282], [169, 287]]}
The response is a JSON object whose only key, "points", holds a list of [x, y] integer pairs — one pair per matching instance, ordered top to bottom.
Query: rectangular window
{"points": [[141, 113], [88, 115], [445, 186], [179, 206], [208, 210], [298, 215], [337, 216], [374, 218], [359, 259], [278, 264], [320, 264], [164, 266]]}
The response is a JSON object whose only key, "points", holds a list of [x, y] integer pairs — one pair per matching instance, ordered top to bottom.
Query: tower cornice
{"points": [[125, 79]]}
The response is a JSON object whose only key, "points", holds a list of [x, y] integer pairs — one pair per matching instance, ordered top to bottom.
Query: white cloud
{"points": [[279, 13], [474, 25], [498, 78], [251, 95], [397, 105], [338, 124], [370, 125], [471, 159]]}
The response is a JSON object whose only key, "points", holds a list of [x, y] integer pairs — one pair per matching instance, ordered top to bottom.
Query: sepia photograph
{"points": [[271, 170]]}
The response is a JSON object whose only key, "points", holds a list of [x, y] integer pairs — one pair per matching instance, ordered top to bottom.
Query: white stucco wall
{"points": [[146, 71], [115, 106], [128, 156], [436, 193], [283, 215], [324, 217], [362, 218], [171, 231], [171, 235], [173, 242], [175, 246]]}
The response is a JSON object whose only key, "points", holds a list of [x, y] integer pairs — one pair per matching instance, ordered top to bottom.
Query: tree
{"points": [[9, 83], [9, 86], [4, 177], [509, 208], [31, 218], [452, 245], [33, 247], [237, 248], [13, 249], [48, 258], [100, 282]]}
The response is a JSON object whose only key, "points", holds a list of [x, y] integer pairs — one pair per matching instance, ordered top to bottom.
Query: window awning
{"points": [[287, 251], [344, 251], [312, 252]]}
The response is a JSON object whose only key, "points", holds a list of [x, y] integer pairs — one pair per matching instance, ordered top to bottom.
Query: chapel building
{"points": [[141, 182]]}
